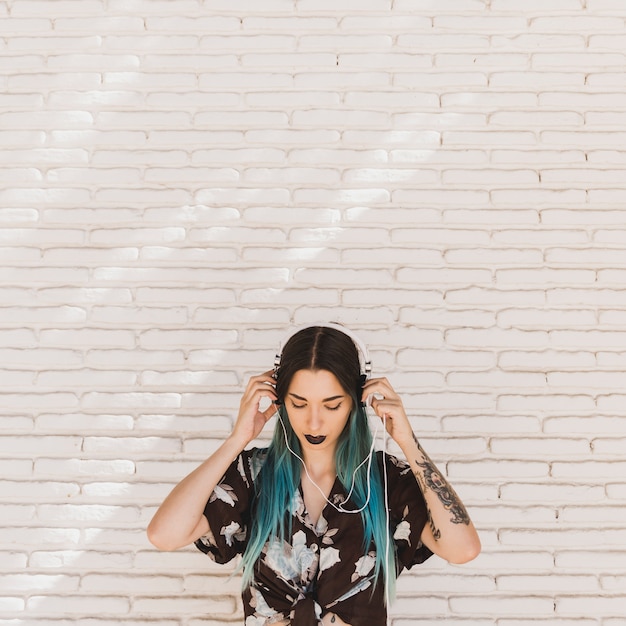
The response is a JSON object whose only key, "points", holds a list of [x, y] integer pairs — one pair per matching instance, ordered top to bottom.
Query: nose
{"points": [[315, 420]]}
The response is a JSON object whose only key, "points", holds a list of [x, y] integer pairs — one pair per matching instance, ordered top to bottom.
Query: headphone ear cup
{"points": [[362, 379]]}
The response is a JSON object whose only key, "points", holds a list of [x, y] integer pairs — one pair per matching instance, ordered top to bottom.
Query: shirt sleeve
{"points": [[228, 511], [407, 512]]}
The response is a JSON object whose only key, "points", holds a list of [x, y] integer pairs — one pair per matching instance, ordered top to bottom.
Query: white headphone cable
{"points": [[367, 459], [340, 508]]}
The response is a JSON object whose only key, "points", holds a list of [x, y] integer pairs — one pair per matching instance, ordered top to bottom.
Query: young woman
{"points": [[323, 526]]}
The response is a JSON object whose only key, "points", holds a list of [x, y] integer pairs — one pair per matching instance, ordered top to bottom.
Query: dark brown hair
{"points": [[321, 348]]}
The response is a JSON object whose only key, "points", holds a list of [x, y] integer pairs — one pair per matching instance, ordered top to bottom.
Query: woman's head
{"points": [[321, 348]]}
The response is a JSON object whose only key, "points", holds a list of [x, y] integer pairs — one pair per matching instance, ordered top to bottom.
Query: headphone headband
{"points": [[364, 358]]}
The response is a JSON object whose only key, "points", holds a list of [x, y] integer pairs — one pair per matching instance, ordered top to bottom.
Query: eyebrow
{"points": [[297, 397]]}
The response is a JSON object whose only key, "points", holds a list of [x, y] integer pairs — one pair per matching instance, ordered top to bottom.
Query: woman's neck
{"points": [[320, 464]]}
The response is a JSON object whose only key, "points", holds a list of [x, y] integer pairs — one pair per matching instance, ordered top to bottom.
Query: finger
{"points": [[265, 377], [378, 384], [379, 392], [388, 407], [271, 410]]}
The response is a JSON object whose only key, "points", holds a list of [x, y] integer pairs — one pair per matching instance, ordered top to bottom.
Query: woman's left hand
{"points": [[386, 403]]}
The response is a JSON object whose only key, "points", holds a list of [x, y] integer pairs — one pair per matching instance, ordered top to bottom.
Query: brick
{"points": [[537, 5], [161, 7], [575, 23], [106, 24], [442, 41], [527, 79], [242, 80], [44, 82], [292, 99], [264, 155], [539, 155], [489, 177], [26, 197], [401, 215], [227, 233], [71, 256], [393, 256], [443, 276], [545, 276], [339, 277], [85, 295], [292, 296], [136, 316], [555, 318], [87, 336], [496, 337], [156, 338], [599, 339], [413, 357], [147, 358], [610, 359], [86, 378], [188, 378], [496, 379], [581, 380], [130, 399], [36, 401], [449, 401], [553, 402], [511, 424], [599, 424], [131, 445], [545, 447], [83, 467], [505, 469], [587, 469], [37, 490], [616, 492], [16, 513], [81, 513], [596, 515], [502, 516], [606, 558], [12, 561], [27, 582], [102, 583], [8, 603], [78, 605], [174, 605], [429, 605], [529, 605], [602, 605]]}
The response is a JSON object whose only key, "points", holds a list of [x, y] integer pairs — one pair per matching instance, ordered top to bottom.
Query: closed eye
{"points": [[334, 408]]}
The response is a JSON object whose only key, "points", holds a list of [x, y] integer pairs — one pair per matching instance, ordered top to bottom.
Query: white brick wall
{"points": [[182, 180]]}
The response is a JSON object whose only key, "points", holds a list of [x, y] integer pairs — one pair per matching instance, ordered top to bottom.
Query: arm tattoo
{"points": [[439, 485], [431, 522]]}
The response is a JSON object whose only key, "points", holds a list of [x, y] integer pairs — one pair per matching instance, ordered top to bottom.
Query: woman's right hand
{"points": [[251, 419]]}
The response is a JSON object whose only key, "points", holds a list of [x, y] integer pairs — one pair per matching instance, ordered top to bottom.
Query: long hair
{"points": [[320, 348]]}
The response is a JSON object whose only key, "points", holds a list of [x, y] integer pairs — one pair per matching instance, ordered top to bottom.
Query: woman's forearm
{"points": [[179, 521], [452, 532]]}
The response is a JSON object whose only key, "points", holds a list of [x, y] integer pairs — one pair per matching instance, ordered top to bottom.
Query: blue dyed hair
{"points": [[320, 348]]}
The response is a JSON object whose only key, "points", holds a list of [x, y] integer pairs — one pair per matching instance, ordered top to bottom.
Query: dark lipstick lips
{"points": [[315, 440]]}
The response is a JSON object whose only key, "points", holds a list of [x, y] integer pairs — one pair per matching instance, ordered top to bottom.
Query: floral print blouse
{"points": [[322, 567]]}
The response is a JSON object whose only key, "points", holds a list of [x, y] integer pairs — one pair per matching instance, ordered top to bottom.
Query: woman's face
{"points": [[318, 408]]}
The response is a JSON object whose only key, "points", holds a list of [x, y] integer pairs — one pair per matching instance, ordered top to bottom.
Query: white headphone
{"points": [[364, 359]]}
